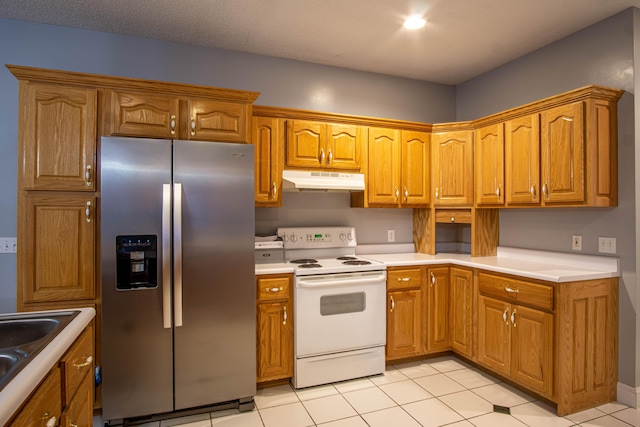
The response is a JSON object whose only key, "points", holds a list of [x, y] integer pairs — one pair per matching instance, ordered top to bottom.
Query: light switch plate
{"points": [[391, 235], [576, 242], [607, 245]]}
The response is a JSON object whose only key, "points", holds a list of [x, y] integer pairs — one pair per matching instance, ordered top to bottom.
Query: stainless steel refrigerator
{"points": [[177, 265]]}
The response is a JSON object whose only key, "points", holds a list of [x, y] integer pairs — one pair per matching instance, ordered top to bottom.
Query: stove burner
{"points": [[346, 258], [304, 261], [356, 262], [310, 265]]}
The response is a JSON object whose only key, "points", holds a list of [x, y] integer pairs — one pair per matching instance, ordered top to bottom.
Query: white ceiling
{"points": [[462, 38]]}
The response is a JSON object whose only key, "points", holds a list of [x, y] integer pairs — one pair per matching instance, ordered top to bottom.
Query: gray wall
{"points": [[601, 54], [282, 83]]}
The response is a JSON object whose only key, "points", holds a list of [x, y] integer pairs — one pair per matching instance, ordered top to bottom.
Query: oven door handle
{"points": [[317, 283]]}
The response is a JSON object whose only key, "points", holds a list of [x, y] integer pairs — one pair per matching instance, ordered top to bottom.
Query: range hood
{"points": [[321, 181]]}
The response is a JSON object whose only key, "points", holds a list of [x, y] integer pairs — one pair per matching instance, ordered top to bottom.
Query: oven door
{"points": [[339, 312]]}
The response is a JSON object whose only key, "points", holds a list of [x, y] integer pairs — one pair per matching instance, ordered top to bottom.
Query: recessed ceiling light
{"points": [[414, 22]]}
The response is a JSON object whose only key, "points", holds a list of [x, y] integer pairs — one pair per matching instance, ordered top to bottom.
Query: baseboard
{"points": [[628, 395]]}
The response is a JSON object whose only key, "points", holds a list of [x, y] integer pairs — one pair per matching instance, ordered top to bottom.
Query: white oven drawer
{"points": [[339, 312]]}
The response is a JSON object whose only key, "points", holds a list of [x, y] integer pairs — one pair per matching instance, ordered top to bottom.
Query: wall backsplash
{"points": [[333, 209]]}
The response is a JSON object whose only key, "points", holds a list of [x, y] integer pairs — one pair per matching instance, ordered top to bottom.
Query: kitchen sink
{"points": [[24, 335]]}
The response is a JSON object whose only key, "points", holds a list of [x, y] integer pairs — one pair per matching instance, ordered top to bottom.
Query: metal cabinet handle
{"points": [[172, 124], [193, 126], [321, 156], [330, 157], [87, 176], [532, 190], [545, 190], [274, 191], [498, 191], [397, 193], [406, 195], [437, 195], [87, 211], [453, 219], [177, 254], [166, 256], [404, 279], [433, 279], [275, 289], [511, 290], [393, 303], [284, 315], [504, 316], [513, 318], [87, 362], [50, 421], [71, 424]]}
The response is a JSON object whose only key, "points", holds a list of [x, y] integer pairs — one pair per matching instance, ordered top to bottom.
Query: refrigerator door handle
{"points": [[177, 253], [166, 256]]}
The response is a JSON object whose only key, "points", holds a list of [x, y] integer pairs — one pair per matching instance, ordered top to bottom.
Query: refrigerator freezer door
{"points": [[215, 347], [137, 355]]}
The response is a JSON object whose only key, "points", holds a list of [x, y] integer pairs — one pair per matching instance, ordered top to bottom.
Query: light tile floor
{"points": [[433, 392]]}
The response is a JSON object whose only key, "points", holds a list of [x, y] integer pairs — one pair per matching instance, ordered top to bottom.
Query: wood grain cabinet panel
{"points": [[143, 114], [216, 120], [58, 137], [268, 139], [344, 146], [522, 160], [489, 165], [452, 168], [56, 257], [438, 308], [462, 311], [406, 312], [494, 335], [44, 406]]}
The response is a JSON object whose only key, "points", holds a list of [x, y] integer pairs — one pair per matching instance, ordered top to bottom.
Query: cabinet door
{"points": [[143, 114], [213, 120], [58, 139], [268, 140], [306, 144], [343, 146], [562, 150], [522, 154], [452, 164], [489, 165], [415, 169], [383, 179], [56, 259], [438, 309], [462, 311], [404, 323], [494, 334], [275, 341], [532, 348], [44, 406], [79, 412]]}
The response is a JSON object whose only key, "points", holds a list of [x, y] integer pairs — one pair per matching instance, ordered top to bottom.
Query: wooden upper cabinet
{"points": [[152, 115], [215, 120], [58, 137], [267, 137], [317, 145], [563, 154], [522, 158], [452, 164], [489, 165], [415, 169], [383, 178], [56, 255]]}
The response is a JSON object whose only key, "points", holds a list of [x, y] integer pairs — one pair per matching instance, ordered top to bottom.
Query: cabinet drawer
{"points": [[454, 216], [405, 278], [273, 288], [525, 293], [77, 363]]}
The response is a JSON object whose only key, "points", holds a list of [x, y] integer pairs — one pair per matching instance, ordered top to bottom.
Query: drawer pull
{"points": [[172, 124], [193, 126], [321, 160], [87, 176], [545, 190], [274, 191], [533, 191], [397, 194], [406, 195], [87, 211], [404, 279], [433, 279], [275, 289], [511, 290], [393, 303], [284, 315], [504, 316], [513, 318], [87, 362], [50, 421], [72, 424]]}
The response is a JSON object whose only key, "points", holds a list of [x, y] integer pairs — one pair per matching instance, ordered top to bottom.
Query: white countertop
{"points": [[543, 265], [20, 387]]}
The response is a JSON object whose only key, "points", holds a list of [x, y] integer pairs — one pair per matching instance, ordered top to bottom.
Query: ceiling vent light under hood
{"points": [[321, 181]]}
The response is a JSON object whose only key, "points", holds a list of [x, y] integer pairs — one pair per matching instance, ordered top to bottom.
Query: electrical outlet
{"points": [[391, 235], [576, 242], [7, 245], [607, 245]]}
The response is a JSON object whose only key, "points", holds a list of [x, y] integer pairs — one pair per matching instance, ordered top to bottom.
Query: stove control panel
{"points": [[317, 237]]}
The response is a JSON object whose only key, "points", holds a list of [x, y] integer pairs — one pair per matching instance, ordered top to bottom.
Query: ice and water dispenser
{"points": [[137, 262]]}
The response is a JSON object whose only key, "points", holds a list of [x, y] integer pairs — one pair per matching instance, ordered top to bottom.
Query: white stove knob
{"points": [[343, 236], [350, 236], [285, 238], [294, 238]]}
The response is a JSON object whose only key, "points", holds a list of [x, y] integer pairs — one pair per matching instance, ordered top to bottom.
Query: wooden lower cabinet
{"points": [[462, 310], [438, 311], [406, 312], [274, 327], [65, 397]]}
